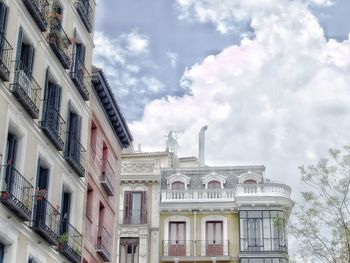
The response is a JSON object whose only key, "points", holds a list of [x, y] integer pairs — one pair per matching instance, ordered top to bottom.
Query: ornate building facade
{"points": [[197, 213]]}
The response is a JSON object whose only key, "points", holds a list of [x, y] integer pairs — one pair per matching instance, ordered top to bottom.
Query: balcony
{"points": [[39, 11], [85, 12], [59, 41], [5, 58], [80, 77], [27, 91], [53, 125], [75, 155], [107, 178], [263, 190], [17, 193], [203, 195], [133, 217], [46, 220], [70, 244], [103, 244], [260, 244], [195, 250]]}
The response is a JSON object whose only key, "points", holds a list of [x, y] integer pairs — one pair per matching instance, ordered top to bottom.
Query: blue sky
{"points": [[185, 42]]}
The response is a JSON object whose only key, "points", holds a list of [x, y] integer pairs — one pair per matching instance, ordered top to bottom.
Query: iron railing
{"points": [[39, 10], [85, 12], [59, 41], [5, 57], [81, 77], [26, 90], [53, 125], [76, 155], [107, 178], [17, 192], [133, 217], [46, 221], [70, 242], [104, 243], [263, 244], [195, 248]]}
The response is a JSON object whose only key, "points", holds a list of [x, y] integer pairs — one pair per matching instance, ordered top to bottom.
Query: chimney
{"points": [[202, 145]]}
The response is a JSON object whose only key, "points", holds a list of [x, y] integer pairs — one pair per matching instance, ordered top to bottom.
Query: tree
{"points": [[321, 221]]}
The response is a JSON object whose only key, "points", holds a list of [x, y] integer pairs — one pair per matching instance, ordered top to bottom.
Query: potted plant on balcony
{"points": [[40, 194], [62, 241]]}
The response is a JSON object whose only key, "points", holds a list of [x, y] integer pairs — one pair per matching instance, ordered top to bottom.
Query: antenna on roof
{"points": [[172, 144]]}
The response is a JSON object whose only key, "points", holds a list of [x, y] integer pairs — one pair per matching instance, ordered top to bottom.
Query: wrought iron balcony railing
{"points": [[39, 10], [85, 12], [58, 40], [5, 57], [80, 77], [26, 90], [53, 125], [76, 155], [107, 178], [16, 193], [133, 217], [46, 219], [70, 243], [103, 244], [263, 244], [196, 248]]}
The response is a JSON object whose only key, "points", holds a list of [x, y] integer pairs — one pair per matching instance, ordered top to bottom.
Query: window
{"points": [[3, 17], [25, 56], [93, 139], [177, 185], [214, 185], [89, 202], [134, 207], [65, 210], [101, 212], [263, 231], [214, 233], [177, 239], [129, 250], [2, 252], [263, 260]]}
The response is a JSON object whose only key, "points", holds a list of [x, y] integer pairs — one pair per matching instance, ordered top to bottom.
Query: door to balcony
{"points": [[134, 208], [177, 240], [214, 244]]}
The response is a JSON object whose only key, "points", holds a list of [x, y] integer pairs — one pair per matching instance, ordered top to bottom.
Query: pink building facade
{"points": [[109, 134]]}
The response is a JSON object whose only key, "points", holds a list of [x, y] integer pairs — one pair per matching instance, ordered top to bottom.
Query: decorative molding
{"points": [[249, 176], [214, 177], [178, 178]]}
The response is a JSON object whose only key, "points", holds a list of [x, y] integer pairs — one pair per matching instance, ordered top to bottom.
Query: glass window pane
{"points": [[136, 201], [266, 213], [243, 214], [254, 214], [243, 226], [181, 231], [210, 232], [218, 232], [259, 233], [276, 260]]}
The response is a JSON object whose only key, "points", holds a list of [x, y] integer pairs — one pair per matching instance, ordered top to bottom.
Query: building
{"points": [[45, 54], [108, 135], [181, 210]]}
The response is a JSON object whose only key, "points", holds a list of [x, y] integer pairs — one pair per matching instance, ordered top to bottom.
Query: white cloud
{"points": [[136, 43], [173, 58]]}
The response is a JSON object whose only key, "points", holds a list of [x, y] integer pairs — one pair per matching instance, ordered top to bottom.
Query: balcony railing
{"points": [[39, 11], [85, 12], [59, 41], [5, 57], [80, 77], [26, 90], [53, 125], [76, 155], [107, 178], [261, 190], [17, 193], [204, 195], [133, 217], [46, 220], [70, 243], [104, 243], [263, 244], [195, 248]]}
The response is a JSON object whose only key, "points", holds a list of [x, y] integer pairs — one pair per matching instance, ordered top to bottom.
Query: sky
{"points": [[270, 78]]}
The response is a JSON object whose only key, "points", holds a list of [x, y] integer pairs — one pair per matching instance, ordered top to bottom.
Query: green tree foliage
{"points": [[321, 221]]}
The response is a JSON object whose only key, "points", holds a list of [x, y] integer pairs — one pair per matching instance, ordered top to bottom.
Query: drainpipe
{"points": [[195, 232]]}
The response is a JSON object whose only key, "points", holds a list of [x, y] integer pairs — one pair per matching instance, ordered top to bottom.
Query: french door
{"points": [[177, 240], [214, 243]]}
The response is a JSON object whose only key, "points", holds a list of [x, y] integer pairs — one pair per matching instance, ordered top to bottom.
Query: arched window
{"points": [[250, 181], [214, 184], [177, 185]]}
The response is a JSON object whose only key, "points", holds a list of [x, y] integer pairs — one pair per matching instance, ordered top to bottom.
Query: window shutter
{"points": [[19, 47], [82, 53], [31, 60], [46, 94], [57, 97], [57, 102]]}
